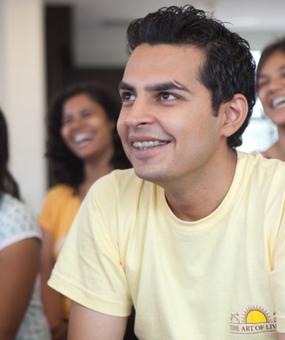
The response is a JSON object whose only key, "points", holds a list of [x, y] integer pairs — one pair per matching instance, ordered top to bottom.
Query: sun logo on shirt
{"points": [[255, 315], [253, 320]]}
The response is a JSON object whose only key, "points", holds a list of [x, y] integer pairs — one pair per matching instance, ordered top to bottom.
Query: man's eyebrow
{"points": [[125, 86], [166, 86]]}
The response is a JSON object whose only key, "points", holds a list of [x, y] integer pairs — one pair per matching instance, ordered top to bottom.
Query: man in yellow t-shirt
{"points": [[194, 235]]}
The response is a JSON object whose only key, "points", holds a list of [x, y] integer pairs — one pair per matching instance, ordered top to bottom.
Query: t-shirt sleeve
{"points": [[16, 223], [89, 270], [278, 276]]}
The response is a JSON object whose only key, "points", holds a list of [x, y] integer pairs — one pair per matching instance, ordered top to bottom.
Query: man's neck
{"points": [[199, 195]]}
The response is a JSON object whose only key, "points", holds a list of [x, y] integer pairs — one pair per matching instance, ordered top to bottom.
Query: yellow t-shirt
{"points": [[59, 209], [218, 278]]}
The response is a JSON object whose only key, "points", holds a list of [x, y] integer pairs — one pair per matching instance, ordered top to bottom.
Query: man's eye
{"points": [[166, 96], [127, 97]]}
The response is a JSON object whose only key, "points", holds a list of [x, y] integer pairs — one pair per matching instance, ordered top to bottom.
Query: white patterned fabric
{"points": [[17, 224]]}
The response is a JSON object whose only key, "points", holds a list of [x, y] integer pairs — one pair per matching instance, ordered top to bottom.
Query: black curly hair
{"points": [[229, 67], [65, 167], [7, 182]]}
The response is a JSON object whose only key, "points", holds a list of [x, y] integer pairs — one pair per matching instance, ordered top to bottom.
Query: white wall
{"points": [[101, 46], [22, 93]]}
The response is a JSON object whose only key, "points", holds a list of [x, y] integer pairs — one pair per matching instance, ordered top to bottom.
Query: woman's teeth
{"points": [[277, 102], [82, 138]]}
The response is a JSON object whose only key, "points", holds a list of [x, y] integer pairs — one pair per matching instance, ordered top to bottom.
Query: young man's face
{"points": [[166, 124]]}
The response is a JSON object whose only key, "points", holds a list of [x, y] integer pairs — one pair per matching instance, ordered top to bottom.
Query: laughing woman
{"points": [[271, 91], [82, 146]]}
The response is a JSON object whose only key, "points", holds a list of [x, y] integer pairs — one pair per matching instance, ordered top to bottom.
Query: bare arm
{"points": [[19, 265], [52, 301], [90, 325], [281, 336]]}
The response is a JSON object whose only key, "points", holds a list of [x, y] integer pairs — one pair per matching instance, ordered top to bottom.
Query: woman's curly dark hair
{"points": [[65, 167], [7, 182]]}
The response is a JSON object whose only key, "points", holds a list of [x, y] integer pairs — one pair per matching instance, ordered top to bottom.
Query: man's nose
{"points": [[140, 113]]}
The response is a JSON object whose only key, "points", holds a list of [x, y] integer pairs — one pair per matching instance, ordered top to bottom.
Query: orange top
{"points": [[60, 207]]}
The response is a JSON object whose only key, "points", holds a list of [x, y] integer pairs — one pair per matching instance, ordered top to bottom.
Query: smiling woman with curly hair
{"points": [[82, 146]]}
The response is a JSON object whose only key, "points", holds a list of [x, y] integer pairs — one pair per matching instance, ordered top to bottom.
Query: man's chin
{"points": [[142, 175], [148, 176]]}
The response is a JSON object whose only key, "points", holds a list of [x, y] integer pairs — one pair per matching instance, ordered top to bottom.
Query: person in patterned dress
{"points": [[21, 312]]}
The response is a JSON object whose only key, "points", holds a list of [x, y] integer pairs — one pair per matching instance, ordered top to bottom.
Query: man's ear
{"points": [[234, 112]]}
